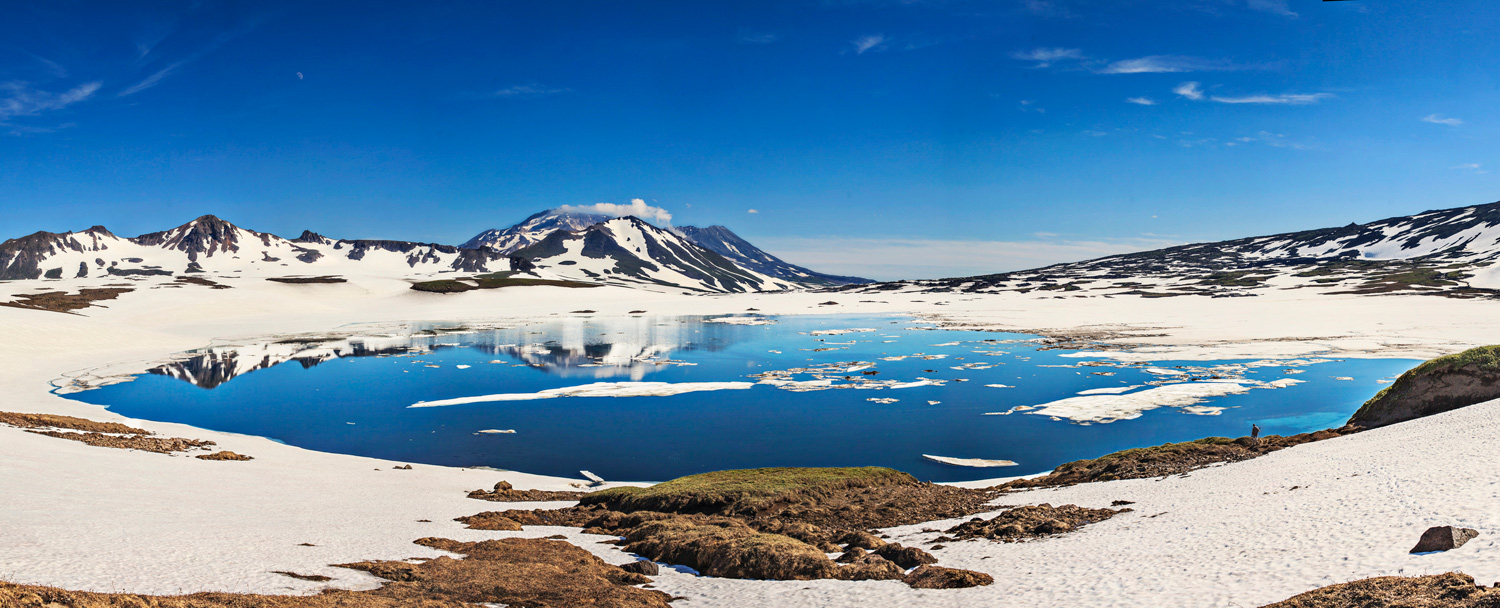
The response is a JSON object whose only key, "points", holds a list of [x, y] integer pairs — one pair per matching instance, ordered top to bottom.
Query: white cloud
{"points": [[1276, 7], [866, 43], [1045, 57], [1158, 64], [530, 90], [1189, 90], [19, 99], [1296, 99], [1144, 101], [1438, 119], [1094, 133], [1475, 167], [637, 208], [752, 211], [891, 259]]}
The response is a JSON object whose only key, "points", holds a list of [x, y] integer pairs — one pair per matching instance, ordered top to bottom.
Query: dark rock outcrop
{"points": [[1442, 384], [1024, 523], [1444, 538], [906, 557], [646, 567], [937, 577]]}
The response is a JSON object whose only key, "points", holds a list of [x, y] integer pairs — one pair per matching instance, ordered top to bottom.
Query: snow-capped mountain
{"points": [[532, 230], [717, 239], [728, 244], [211, 245], [550, 246], [629, 250], [1449, 252]]}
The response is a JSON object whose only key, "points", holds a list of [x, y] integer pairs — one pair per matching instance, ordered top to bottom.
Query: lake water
{"points": [[814, 401]]}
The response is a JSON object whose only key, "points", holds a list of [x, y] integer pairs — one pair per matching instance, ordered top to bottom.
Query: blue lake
{"points": [[351, 395]]}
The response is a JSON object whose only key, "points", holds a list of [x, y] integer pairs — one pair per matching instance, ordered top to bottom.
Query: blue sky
{"points": [[886, 138]]}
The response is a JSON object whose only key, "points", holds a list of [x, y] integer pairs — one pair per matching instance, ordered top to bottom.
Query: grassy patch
{"points": [[1234, 279], [713, 492]]}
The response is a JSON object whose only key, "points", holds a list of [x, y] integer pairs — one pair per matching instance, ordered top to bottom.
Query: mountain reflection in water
{"points": [[571, 348]]}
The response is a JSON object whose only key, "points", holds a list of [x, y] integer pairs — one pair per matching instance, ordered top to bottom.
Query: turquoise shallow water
{"points": [[353, 397]]}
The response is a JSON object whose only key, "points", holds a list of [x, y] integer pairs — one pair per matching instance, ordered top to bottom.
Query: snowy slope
{"points": [[532, 230], [728, 244], [630, 251], [1450, 252]]}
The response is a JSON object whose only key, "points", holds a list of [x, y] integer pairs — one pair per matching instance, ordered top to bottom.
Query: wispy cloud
{"points": [[1275, 7], [752, 37], [867, 43], [1045, 57], [1160, 64], [55, 69], [158, 76], [530, 90], [1189, 90], [1194, 91], [20, 99], [1295, 99], [1141, 101], [1439, 119], [1275, 140], [1475, 167], [753, 211], [897, 258]]}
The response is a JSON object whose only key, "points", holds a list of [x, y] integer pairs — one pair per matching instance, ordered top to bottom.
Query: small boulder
{"points": [[503, 486], [1443, 538], [860, 539], [851, 556], [906, 557], [648, 568], [871, 568], [937, 577]]}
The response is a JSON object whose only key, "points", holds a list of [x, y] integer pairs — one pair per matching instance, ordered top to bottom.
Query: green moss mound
{"points": [[1442, 384], [743, 492]]}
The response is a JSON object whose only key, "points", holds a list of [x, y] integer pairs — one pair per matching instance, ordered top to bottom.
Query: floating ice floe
{"points": [[742, 320], [837, 332], [463, 366], [1342, 378], [999, 386], [598, 389], [886, 400], [933, 402], [1105, 408], [498, 431], [970, 462]]}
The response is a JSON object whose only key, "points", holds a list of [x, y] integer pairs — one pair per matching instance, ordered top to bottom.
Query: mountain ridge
{"points": [[1450, 252]]}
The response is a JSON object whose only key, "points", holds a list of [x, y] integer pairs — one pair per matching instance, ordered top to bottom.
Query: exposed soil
{"points": [[307, 280], [202, 281], [492, 281], [61, 301], [1442, 384], [36, 421], [162, 445], [224, 455], [1168, 459], [503, 492], [838, 499], [1026, 523], [776, 524], [518, 572], [1451, 590]]}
